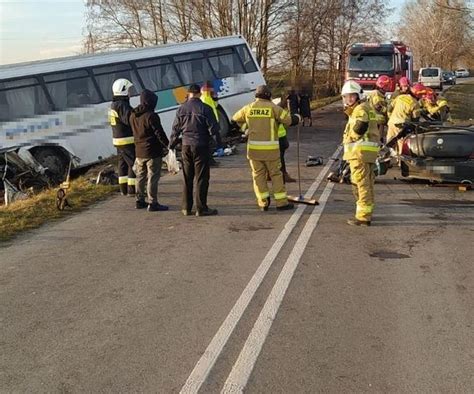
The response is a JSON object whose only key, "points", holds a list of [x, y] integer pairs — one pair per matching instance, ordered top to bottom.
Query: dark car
{"points": [[449, 78], [439, 154]]}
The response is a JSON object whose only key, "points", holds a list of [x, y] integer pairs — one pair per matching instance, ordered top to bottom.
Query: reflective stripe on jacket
{"points": [[263, 119], [123, 141], [361, 147]]}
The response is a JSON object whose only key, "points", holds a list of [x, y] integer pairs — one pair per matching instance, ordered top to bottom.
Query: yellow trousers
{"points": [[392, 131], [260, 169], [363, 179]]}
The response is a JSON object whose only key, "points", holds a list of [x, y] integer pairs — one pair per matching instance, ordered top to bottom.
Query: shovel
{"points": [[300, 199]]}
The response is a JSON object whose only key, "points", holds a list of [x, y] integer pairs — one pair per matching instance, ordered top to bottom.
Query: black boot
{"points": [[140, 204], [356, 222]]}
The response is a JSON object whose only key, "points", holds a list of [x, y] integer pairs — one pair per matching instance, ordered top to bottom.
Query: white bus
{"points": [[55, 110]]}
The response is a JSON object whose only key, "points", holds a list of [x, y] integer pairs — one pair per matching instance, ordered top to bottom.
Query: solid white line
{"points": [[215, 347], [243, 367]]}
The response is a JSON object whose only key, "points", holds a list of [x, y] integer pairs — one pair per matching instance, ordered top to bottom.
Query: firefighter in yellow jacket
{"points": [[376, 99], [434, 107], [405, 109], [263, 118], [361, 146]]}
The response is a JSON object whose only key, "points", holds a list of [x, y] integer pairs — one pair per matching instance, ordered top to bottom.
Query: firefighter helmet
{"points": [[404, 81], [384, 83], [120, 87], [351, 87], [418, 90], [430, 94]]}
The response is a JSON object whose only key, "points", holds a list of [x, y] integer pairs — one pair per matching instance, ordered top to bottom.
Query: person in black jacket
{"points": [[293, 102], [305, 107], [119, 115], [196, 124], [151, 144]]}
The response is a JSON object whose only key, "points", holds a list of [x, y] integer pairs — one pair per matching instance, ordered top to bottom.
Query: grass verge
{"points": [[461, 102], [319, 103], [41, 208]]}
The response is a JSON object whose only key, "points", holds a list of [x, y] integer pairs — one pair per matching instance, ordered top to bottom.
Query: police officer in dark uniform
{"points": [[119, 115], [196, 123]]}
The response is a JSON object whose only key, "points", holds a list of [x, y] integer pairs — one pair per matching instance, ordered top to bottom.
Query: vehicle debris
{"points": [[22, 175]]}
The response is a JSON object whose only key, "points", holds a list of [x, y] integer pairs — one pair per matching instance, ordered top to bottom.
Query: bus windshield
{"points": [[370, 62]]}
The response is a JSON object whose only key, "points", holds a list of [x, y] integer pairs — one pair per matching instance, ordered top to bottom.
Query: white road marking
{"points": [[215, 347], [238, 377]]}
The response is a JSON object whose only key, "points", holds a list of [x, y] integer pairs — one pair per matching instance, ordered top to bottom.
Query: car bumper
{"points": [[442, 170]]}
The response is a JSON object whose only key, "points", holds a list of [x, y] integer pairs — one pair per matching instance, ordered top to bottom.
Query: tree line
{"points": [[303, 41]]}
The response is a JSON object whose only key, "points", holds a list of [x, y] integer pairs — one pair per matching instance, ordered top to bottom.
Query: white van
{"points": [[431, 76]]}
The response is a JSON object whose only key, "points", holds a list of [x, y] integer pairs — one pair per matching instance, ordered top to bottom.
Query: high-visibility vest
{"points": [[206, 98], [263, 119], [281, 131], [361, 147]]}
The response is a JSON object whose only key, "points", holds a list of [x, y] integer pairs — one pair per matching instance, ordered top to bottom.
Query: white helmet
{"points": [[120, 87], [351, 87]]}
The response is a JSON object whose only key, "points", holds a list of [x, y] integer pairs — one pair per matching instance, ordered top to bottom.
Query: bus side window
{"points": [[247, 60], [225, 63], [193, 68], [158, 74], [105, 77], [71, 89], [20, 102]]}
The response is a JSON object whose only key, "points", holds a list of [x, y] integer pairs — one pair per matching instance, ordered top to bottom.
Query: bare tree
{"points": [[444, 34]]}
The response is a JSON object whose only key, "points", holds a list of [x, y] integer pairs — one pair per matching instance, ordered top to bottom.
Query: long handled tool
{"points": [[300, 199]]}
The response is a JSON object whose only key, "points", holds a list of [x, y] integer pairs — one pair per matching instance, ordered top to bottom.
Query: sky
{"points": [[40, 29], [43, 29]]}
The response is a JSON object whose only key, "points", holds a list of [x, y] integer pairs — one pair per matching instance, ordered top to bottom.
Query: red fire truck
{"points": [[367, 61]]}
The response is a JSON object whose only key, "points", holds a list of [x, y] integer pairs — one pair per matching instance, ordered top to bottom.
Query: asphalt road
{"points": [[119, 300]]}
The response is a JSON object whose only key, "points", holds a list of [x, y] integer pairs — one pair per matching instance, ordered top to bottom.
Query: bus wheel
{"points": [[52, 158]]}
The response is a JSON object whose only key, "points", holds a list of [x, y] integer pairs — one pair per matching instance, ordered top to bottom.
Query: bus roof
{"points": [[80, 61]]}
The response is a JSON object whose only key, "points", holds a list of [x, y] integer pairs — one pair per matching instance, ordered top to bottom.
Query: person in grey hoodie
{"points": [[151, 144]]}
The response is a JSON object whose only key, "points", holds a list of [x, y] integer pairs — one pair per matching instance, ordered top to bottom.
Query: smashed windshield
{"points": [[370, 62]]}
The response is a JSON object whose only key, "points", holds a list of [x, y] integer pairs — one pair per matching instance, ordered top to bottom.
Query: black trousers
{"points": [[284, 145], [126, 159], [195, 167]]}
